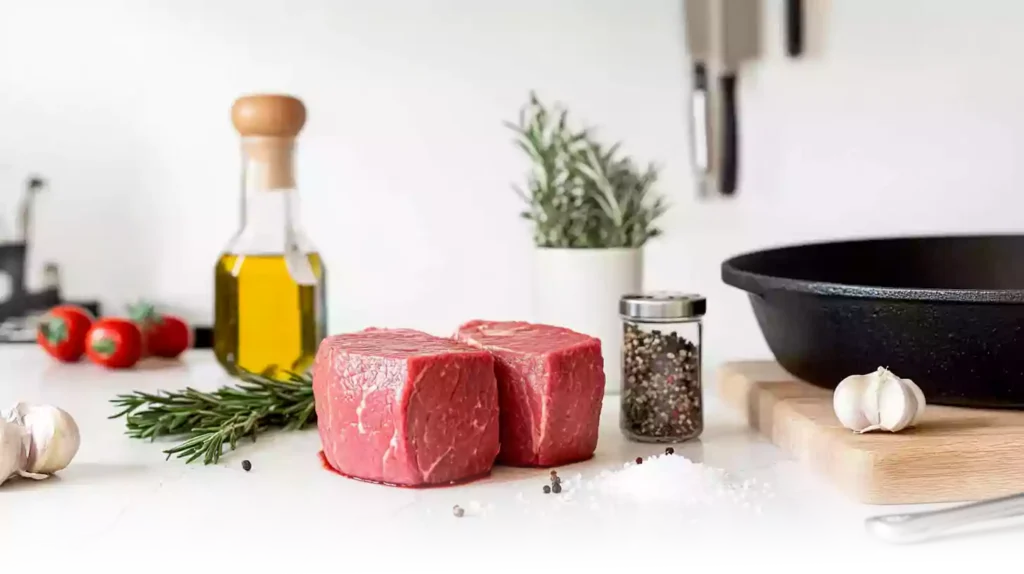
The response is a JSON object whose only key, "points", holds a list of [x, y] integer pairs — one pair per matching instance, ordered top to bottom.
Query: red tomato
{"points": [[62, 331], [163, 335], [168, 336], [114, 343]]}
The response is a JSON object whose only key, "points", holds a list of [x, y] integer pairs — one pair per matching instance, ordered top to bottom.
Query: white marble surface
{"points": [[121, 503]]}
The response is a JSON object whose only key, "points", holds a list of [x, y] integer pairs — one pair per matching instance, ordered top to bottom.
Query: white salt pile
{"points": [[668, 479], [661, 484]]}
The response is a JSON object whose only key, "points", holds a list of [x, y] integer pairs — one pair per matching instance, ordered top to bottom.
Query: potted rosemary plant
{"points": [[592, 211]]}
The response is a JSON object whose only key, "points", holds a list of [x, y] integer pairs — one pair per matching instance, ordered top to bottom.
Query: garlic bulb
{"points": [[878, 401], [53, 438], [13, 453]]}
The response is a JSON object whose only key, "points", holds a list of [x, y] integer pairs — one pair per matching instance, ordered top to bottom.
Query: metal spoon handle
{"points": [[918, 526]]}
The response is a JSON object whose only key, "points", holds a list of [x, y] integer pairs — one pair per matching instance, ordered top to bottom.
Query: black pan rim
{"points": [[760, 284]]}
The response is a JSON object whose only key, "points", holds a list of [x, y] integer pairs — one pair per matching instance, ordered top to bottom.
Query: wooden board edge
{"points": [[759, 411], [995, 472], [861, 479]]}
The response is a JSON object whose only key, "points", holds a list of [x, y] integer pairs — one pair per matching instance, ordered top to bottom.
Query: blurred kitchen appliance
{"points": [[720, 35], [20, 309]]}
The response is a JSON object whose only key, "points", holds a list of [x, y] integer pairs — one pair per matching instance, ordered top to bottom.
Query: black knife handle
{"points": [[794, 27], [700, 77], [729, 171]]}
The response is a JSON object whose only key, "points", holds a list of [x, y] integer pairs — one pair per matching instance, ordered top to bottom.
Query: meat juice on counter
{"points": [[270, 313]]}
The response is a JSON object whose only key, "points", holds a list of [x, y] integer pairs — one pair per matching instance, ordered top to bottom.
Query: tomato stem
{"points": [[144, 313], [55, 330], [104, 347]]}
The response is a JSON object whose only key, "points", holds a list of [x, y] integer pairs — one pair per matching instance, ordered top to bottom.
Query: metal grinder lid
{"points": [[662, 306]]}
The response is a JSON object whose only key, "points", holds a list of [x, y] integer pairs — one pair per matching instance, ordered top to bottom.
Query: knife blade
{"points": [[698, 38], [699, 109]]}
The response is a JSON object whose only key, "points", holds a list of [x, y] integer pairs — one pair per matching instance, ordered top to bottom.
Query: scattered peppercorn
{"points": [[670, 450], [639, 460], [246, 465], [554, 474], [556, 487], [547, 489], [458, 511]]}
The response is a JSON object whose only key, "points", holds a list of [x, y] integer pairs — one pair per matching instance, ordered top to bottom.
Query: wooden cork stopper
{"points": [[268, 115], [268, 124]]}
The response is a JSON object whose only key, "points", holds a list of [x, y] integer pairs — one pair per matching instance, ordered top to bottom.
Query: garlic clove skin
{"points": [[919, 396], [871, 398], [847, 401], [877, 401], [897, 406], [15, 416], [53, 435], [55, 439], [13, 455]]}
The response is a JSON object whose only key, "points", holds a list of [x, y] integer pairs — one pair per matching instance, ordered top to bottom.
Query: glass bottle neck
{"points": [[270, 202]]}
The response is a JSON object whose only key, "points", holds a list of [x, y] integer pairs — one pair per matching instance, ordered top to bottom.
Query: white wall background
{"points": [[906, 117]]}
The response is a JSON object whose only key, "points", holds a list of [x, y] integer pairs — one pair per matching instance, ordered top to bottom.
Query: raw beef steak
{"points": [[550, 384], [402, 407]]}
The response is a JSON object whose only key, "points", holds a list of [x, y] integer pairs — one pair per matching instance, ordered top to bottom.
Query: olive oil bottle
{"points": [[269, 282]]}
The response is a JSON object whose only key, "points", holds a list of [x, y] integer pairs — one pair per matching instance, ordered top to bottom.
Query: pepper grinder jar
{"points": [[661, 400]]}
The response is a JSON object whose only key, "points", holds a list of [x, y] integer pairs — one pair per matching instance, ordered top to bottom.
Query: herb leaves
{"points": [[580, 194], [208, 420]]}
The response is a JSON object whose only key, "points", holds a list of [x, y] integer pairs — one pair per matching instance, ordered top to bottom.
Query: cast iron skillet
{"points": [[947, 312]]}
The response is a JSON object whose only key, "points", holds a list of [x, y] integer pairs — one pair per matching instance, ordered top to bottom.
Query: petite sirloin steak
{"points": [[550, 386], [403, 407]]}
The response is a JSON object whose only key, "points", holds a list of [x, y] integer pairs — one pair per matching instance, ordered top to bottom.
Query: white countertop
{"points": [[120, 502]]}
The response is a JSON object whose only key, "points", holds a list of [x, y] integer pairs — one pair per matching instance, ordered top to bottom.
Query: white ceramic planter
{"points": [[580, 289]]}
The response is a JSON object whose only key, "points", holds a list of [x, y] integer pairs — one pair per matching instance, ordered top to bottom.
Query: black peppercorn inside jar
{"points": [[661, 367]]}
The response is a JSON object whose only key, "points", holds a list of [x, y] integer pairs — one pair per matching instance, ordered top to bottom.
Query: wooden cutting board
{"points": [[952, 455]]}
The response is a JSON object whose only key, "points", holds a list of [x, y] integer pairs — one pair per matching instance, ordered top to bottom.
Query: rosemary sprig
{"points": [[208, 420]]}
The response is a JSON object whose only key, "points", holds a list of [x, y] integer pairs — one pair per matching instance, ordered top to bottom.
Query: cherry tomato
{"points": [[61, 332], [163, 335], [167, 336], [114, 343]]}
